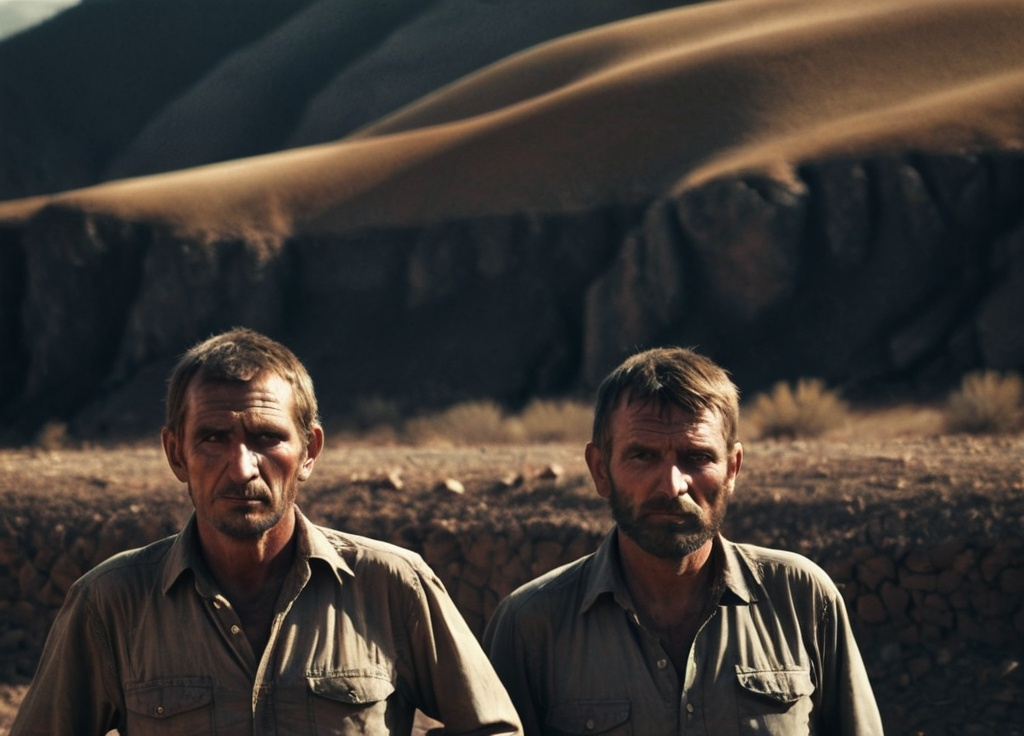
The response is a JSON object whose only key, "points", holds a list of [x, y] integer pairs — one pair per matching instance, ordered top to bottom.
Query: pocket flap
{"points": [[784, 686], [352, 688], [166, 698], [588, 716]]}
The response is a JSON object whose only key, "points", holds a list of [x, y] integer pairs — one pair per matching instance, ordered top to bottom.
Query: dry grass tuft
{"points": [[987, 402], [808, 410], [553, 420], [471, 422], [484, 422]]}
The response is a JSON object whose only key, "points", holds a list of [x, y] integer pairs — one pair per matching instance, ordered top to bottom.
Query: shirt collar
{"points": [[184, 554], [737, 581]]}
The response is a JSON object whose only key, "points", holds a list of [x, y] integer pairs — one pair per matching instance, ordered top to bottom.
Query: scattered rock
{"points": [[554, 471], [451, 485]]}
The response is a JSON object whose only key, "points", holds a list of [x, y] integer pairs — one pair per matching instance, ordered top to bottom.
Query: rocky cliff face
{"points": [[872, 274]]}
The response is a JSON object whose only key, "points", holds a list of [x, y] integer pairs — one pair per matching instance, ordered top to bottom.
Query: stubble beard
{"points": [[248, 525], [663, 540]]}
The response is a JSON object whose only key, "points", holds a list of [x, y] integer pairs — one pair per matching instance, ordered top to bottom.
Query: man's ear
{"points": [[313, 449], [175, 456], [735, 461], [598, 469]]}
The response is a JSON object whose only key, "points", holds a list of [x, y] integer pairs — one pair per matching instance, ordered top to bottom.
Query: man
{"points": [[252, 620], [669, 628]]}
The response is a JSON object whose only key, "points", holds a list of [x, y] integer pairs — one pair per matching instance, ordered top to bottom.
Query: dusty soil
{"points": [[898, 456]]}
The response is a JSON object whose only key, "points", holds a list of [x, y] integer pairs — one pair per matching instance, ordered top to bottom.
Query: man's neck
{"points": [[244, 567], [660, 580], [672, 597]]}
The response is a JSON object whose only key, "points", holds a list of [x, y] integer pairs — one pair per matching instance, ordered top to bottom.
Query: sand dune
{"points": [[629, 111]]}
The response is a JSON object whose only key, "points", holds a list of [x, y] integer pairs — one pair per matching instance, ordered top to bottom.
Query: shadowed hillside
{"points": [[128, 87], [800, 187]]}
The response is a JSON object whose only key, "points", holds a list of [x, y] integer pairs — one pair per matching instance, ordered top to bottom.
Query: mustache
{"points": [[248, 492], [683, 505]]}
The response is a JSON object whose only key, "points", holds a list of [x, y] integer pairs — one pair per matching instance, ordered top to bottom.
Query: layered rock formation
{"points": [[799, 188]]}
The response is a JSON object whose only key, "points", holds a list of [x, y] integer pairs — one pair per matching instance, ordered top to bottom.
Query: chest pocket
{"points": [[774, 701], [351, 702], [180, 705], [609, 717]]}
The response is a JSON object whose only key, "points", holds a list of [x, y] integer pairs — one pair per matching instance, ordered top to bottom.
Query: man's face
{"points": [[241, 454], [668, 476]]}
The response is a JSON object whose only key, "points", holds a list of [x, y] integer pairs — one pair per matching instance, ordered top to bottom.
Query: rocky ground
{"points": [[899, 457]]}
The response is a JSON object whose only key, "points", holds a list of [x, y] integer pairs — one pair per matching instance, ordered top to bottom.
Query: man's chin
{"points": [[248, 526], [668, 546]]}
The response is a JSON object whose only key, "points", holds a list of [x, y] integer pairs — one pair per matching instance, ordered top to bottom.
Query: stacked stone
{"points": [[40, 558], [481, 568], [936, 617]]}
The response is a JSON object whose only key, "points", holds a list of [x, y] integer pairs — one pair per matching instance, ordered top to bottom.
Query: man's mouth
{"points": [[245, 497], [684, 508]]}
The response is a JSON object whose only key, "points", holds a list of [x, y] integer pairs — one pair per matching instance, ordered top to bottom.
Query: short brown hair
{"points": [[239, 355], [669, 376]]}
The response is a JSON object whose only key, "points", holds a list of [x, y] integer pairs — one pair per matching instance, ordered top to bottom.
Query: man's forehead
{"points": [[265, 394], [652, 415]]}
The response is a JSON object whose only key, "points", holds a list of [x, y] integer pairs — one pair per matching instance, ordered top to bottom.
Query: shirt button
{"points": [[235, 629], [662, 664], [689, 708], [159, 710], [590, 724]]}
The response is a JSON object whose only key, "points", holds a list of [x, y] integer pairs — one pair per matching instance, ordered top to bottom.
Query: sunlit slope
{"points": [[626, 112]]}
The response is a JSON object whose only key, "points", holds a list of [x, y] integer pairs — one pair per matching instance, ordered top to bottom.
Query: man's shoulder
{"points": [[360, 551], [777, 565], [136, 566], [559, 589]]}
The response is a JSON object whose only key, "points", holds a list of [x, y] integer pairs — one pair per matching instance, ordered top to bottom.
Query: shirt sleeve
{"points": [[503, 644], [455, 680], [73, 691], [848, 703]]}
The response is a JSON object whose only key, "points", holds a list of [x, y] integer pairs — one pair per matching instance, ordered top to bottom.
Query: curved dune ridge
{"points": [[636, 109]]}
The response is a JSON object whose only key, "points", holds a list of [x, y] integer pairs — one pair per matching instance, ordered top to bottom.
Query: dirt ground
{"points": [[893, 453]]}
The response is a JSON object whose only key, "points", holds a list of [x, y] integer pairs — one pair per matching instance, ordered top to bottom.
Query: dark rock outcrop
{"points": [[799, 189], [909, 281]]}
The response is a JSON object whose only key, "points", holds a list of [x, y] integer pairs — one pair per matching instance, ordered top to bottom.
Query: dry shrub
{"points": [[987, 402], [809, 410], [373, 412], [552, 420], [471, 422], [484, 422], [52, 436]]}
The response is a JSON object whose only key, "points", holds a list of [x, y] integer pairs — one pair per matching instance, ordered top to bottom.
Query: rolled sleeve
{"points": [[456, 682], [75, 690]]}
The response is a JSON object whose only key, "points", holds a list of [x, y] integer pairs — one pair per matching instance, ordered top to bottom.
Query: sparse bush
{"points": [[987, 402], [809, 410], [374, 412], [548, 420], [471, 422], [484, 422], [52, 436]]}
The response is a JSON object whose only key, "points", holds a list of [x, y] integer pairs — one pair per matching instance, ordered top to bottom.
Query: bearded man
{"points": [[669, 628]]}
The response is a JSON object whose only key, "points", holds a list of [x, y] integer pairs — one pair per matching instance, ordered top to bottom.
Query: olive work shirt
{"points": [[363, 635], [775, 656]]}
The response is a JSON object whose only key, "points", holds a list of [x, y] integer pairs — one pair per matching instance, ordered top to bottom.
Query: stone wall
{"points": [[935, 586]]}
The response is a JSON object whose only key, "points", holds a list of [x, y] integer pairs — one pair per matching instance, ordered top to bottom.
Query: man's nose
{"points": [[244, 464], [677, 481]]}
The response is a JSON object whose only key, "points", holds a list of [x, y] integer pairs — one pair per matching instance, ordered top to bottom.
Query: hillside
{"points": [[799, 187]]}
